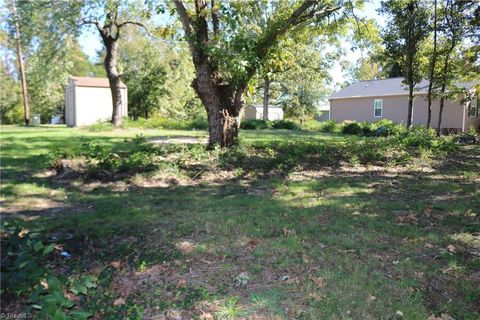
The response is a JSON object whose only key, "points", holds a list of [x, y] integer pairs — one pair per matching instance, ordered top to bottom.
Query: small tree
{"points": [[454, 28], [110, 31]]}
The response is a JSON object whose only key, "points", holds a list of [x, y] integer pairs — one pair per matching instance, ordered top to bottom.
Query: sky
{"points": [[91, 43]]}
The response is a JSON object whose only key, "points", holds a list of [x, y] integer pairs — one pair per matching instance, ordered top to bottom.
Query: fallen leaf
{"points": [[408, 219], [288, 232], [251, 244], [451, 248], [116, 264], [292, 281], [319, 282], [182, 283], [44, 284], [70, 296], [371, 298], [119, 302], [206, 316]]}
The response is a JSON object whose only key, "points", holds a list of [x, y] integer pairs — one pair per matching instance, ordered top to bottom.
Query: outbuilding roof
{"points": [[93, 82], [384, 87]]}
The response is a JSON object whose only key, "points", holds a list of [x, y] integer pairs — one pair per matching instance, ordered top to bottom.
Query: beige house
{"points": [[388, 99], [89, 100]]}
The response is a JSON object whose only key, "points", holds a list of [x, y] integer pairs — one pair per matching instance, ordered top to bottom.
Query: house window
{"points": [[378, 108], [473, 109]]}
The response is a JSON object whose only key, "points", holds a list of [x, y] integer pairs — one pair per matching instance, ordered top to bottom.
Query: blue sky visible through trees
{"points": [[91, 43]]}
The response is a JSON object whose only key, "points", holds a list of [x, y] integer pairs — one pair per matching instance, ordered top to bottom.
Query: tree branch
{"points": [[302, 14], [185, 19], [215, 20], [94, 22], [137, 24]]}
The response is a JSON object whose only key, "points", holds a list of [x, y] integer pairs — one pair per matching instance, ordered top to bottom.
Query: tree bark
{"points": [[111, 46], [21, 66], [432, 67], [410, 79], [266, 96], [222, 103], [410, 106], [440, 113]]}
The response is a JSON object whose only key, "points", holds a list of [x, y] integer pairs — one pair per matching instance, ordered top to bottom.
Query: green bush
{"points": [[254, 124], [285, 124], [329, 126], [353, 127], [386, 127], [28, 272]]}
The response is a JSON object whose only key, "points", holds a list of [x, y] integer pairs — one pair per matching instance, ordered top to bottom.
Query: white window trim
{"points": [[475, 98], [381, 108]]}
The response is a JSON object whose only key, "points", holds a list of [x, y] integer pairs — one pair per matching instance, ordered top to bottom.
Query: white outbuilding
{"points": [[89, 100], [255, 111]]}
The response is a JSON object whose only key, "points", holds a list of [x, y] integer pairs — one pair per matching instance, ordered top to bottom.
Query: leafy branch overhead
{"points": [[229, 46]]}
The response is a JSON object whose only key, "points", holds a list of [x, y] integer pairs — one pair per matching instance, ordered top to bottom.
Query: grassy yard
{"points": [[207, 241]]}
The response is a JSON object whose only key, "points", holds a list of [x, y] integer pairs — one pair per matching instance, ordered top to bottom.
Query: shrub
{"points": [[254, 124], [285, 124], [329, 126], [353, 127], [386, 127], [234, 156], [27, 272]]}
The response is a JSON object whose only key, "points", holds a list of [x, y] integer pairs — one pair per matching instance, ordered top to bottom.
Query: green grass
{"points": [[321, 244]]}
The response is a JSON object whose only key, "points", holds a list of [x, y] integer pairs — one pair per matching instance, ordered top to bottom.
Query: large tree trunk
{"points": [[111, 46], [21, 66], [432, 67], [266, 96], [223, 104]]}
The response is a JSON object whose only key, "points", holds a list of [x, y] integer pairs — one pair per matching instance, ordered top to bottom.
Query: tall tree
{"points": [[47, 27], [454, 28], [110, 30], [405, 30], [228, 48], [21, 65], [432, 65]]}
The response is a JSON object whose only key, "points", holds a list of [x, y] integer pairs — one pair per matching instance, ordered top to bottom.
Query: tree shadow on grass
{"points": [[392, 229]]}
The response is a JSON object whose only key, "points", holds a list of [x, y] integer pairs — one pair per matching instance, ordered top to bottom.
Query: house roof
{"points": [[93, 82], [385, 87], [372, 88]]}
